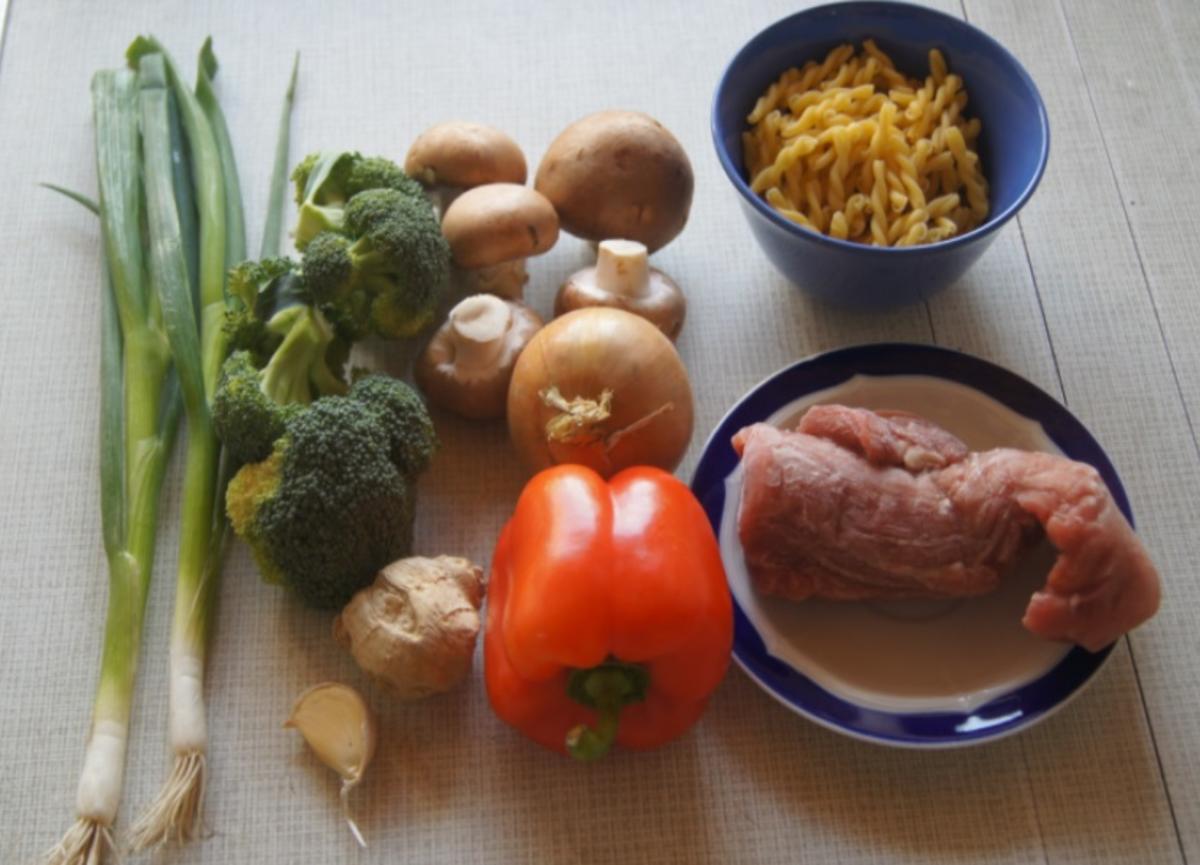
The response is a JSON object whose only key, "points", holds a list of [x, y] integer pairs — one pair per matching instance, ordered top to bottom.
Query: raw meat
{"points": [[885, 438], [861, 505], [819, 520]]}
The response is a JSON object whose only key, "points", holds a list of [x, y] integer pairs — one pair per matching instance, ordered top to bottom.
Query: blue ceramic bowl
{"points": [[1013, 146]]}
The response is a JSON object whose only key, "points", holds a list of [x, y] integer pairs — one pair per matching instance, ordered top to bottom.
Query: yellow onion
{"points": [[603, 388]]}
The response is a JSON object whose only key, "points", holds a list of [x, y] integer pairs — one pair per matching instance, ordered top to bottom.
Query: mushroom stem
{"points": [[441, 197], [622, 268], [505, 280], [478, 328]]}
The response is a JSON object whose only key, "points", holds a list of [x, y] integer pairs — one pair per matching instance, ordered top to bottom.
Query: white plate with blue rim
{"points": [[918, 674]]}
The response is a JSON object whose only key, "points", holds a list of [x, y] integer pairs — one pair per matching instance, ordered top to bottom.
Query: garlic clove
{"points": [[337, 724]]}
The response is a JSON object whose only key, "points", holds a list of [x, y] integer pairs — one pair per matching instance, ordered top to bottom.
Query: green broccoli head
{"points": [[375, 172], [300, 175], [336, 176], [324, 182], [321, 193], [374, 253], [401, 261], [329, 267], [385, 272], [251, 280], [260, 288], [245, 331], [295, 356], [399, 411], [247, 421], [331, 504]]}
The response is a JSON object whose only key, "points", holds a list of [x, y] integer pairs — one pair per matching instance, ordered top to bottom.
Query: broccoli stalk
{"points": [[279, 325], [298, 370], [255, 400]]}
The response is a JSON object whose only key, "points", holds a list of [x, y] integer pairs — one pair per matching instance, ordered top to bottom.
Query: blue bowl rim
{"points": [[994, 220], [1051, 692]]}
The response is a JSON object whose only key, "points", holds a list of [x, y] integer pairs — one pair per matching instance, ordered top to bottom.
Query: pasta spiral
{"points": [[852, 148]]}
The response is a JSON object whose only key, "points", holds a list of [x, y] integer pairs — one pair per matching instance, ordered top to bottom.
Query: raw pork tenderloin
{"points": [[858, 505]]}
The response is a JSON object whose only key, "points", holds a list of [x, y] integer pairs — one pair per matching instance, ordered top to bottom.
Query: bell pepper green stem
{"points": [[607, 688], [587, 744]]}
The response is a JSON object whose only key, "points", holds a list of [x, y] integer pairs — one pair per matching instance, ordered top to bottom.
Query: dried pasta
{"points": [[852, 148]]}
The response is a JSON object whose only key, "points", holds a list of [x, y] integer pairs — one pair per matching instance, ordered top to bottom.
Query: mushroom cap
{"points": [[462, 154], [618, 174], [499, 222], [661, 301], [500, 330]]}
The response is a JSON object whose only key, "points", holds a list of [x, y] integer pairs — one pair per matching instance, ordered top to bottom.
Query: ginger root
{"points": [[414, 628]]}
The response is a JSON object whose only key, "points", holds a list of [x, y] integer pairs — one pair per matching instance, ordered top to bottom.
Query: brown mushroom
{"points": [[456, 155], [618, 174], [492, 229], [623, 278], [467, 365]]}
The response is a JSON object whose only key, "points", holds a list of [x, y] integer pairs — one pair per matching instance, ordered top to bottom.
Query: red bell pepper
{"points": [[609, 618]]}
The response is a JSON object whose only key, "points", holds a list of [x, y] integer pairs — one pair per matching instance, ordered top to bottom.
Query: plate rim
{"points": [[951, 365]]}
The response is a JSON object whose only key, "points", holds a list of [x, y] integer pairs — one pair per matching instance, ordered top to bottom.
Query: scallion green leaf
{"points": [[235, 218], [273, 230]]}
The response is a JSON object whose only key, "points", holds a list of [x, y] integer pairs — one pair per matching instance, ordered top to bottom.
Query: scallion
{"points": [[198, 348], [140, 411]]}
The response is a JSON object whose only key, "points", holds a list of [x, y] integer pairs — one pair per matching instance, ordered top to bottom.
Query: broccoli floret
{"points": [[375, 172], [300, 175], [325, 182], [321, 193], [328, 267], [385, 271], [251, 280], [260, 289], [286, 353], [252, 402], [402, 414], [247, 421], [333, 501]]}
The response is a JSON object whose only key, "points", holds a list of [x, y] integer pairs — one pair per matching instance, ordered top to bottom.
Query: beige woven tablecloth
{"points": [[752, 782]]}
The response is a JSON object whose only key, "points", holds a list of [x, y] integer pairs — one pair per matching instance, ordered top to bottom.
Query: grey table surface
{"points": [[1091, 293]]}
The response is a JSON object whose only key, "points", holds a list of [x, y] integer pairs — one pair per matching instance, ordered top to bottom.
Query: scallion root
{"points": [[175, 816], [84, 844]]}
